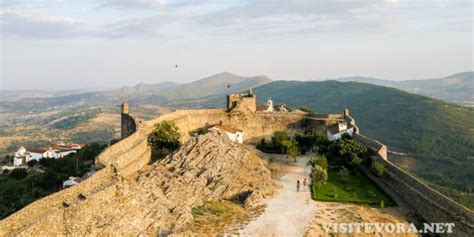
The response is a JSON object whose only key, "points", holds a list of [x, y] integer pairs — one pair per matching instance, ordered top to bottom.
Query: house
{"points": [[267, 107], [335, 131], [234, 134], [57, 151], [21, 157], [71, 182]]}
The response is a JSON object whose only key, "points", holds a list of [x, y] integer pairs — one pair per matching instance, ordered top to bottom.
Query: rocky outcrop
{"points": [[159, 198]]}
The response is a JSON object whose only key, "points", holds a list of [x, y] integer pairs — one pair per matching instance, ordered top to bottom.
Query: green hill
{"points": [[439, 135]]}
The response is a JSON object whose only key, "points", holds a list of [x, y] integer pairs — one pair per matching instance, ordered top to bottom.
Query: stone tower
{"points": [[243, 102], [128, 123]]}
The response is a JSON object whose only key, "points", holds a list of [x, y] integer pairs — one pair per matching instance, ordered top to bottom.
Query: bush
{"points": [[306, 109], [165, 136], [319, 160], [32, 163], [378, 168], [344, 173], [18, 174], [382, 204]]}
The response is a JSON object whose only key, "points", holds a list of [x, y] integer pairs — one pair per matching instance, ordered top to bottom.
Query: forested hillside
{"points": [[439, 135]]}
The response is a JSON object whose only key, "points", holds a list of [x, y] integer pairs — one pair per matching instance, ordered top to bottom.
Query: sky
{"points": [[75, 44]]}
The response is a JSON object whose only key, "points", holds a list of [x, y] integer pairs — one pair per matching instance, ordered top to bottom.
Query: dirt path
{"points": [[289, 212], [292, 213]]}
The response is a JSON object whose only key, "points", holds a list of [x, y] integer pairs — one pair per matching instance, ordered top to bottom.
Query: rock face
{"points": [[159, 198]]}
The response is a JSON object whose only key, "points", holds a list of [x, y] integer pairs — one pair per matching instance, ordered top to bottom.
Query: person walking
{"points": [[305, 184], [298, 185]]}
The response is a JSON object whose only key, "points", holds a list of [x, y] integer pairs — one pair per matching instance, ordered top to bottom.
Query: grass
{"points": [[356, 188], [215, 210]]}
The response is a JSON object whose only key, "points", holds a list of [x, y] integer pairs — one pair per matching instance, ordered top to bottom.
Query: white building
{"points": [[267, 107], [335, 132], [234, 134], [21, 157], [71, 182]]}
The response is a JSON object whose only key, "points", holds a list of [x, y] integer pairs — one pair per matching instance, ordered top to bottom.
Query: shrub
{"points": [[306, 109], [203, 130], [165, 136], [321, 161], [32, 163], [378, 168], [344, 173], [18, 174], [319, 175], [370, 194], [382, 204]]}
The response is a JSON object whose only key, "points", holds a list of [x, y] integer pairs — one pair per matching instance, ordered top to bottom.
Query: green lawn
{"points": [[356, 189]]}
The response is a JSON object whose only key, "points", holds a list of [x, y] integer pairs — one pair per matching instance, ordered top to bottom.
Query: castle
{"points": [[132, 154]]}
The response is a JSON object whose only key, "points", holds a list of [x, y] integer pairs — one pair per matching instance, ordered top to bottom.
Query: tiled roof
{"points": [[66, 147], [40, 150]]}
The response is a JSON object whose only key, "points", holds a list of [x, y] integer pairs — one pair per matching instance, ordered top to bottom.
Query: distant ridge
{"points": [[457, 88]]}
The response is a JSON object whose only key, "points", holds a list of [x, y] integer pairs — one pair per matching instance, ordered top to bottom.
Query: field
{"points": [[356, 188]]}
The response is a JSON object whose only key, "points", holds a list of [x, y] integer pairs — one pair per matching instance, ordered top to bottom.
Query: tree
{"points": [[164, 137], [278, 138], [292, 150], [349, 151], [319, 160], [322, 161], [32, 163], [18, 174], [319, 175]]}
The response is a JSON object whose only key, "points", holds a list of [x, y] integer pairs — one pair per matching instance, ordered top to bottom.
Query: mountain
{"points": [[219, 84], [162, 86], [457, 88], [164, 93], [437, 136]]}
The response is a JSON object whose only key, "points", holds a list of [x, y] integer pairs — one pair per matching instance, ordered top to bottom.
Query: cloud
{"points": [[135, 4], [126, 18], [21, 24]]}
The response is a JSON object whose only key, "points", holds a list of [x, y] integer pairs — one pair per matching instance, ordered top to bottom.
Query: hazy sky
{"points": [[104, 43]]}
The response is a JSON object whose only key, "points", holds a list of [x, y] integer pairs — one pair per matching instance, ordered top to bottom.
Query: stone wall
{"points": [[374, 145], [132, 153], [411, 192]]}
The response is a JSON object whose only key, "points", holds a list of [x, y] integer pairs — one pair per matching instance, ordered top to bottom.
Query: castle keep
{"points": [[242, 102]]}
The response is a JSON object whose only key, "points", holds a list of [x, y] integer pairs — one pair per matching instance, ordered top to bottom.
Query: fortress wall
{"points": [[373, 145], [132, 153], [430, 204], [50, 205]]}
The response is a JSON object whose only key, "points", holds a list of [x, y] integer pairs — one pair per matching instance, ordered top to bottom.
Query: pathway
{"points": [[289, 212]]}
